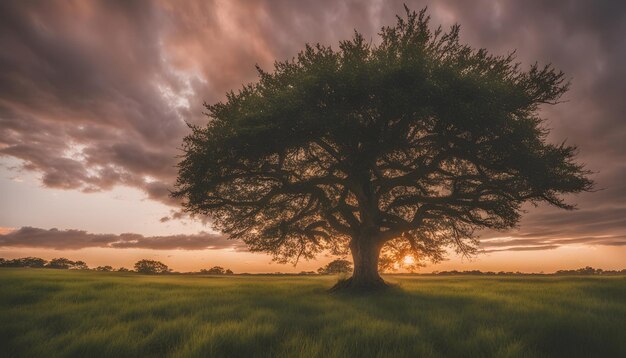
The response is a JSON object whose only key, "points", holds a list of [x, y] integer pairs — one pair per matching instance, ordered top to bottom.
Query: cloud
{"points": [[96, 94], [82, 98], [6, 230], [30, 237], [538, 242], [522, 248]]}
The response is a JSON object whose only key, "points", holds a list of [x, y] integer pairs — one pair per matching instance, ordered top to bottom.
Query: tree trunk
{"points": [[365, 252]]}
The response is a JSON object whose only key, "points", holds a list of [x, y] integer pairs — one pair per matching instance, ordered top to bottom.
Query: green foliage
{"points": [[412, 143], [35, 262], [60, 263], [63, 263], [151, 267], [334, 267], [105, 268], [216, 270], [588, 270], [45, 313]]}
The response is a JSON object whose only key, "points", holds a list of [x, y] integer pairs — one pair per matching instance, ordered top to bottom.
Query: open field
{"points": [[47, 313]]}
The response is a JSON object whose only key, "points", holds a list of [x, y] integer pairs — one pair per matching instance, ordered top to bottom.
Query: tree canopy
{"points": [[408, 145], [34, 262], [63, 263], [151, 267], [336, 267], [216, 270]]}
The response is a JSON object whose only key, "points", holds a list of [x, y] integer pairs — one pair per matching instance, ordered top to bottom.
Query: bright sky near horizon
{"points": [[94, 96]]}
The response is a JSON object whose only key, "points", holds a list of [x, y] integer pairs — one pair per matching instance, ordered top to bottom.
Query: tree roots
{"points": [[351, 286]]}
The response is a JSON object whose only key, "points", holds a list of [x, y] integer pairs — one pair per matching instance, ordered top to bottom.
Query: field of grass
{"points": [[45, 313]]}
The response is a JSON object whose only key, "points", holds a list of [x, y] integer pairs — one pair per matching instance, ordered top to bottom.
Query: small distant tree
{"points": [[408, 145], [34, 262], [9, 263], [60, 263], [64, 264], [79, 265], [151, 267], [336, 267], [104, 268], [123, 269], [216, 270], [587, 270], [229, 272], [307, 273]]}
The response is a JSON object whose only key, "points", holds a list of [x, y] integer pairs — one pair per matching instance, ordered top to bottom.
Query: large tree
{"points": [[405, 146]]}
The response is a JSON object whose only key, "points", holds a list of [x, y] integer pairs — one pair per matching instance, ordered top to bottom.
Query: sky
{"points": [[95, 96]]}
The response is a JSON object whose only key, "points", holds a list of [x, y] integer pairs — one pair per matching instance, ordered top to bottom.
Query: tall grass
{"points": [[47, 313]]}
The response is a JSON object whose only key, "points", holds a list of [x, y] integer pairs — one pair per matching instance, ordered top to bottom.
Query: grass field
{"points": [[46, 313]]}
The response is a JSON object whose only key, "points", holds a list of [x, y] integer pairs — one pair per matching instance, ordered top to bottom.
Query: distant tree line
{"points": [[36, 262], [144, 266], [340, 266], [217, 270], [581, 271], [590, 271], [475, 272]]}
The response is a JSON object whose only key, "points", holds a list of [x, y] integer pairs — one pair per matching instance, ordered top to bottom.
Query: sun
{"points": [[409, 260]]}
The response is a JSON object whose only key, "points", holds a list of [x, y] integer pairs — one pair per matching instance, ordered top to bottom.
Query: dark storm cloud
{"points": [[82, 94], [94, 94], [78, 239]]}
